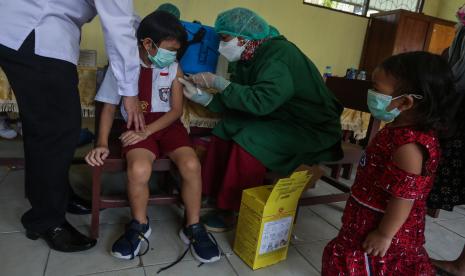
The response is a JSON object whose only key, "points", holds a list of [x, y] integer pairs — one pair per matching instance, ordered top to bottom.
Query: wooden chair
{"points": [[352, 94], [115, 163]]}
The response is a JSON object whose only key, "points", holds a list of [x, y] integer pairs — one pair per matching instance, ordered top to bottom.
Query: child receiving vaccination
{"points": [[160, 36], [383, 223]]}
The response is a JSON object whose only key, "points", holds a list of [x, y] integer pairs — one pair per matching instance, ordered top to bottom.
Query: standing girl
{"points": [[384, 219]]}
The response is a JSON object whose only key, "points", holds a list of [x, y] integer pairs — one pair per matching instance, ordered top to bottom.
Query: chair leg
{"points": [[336, 171], [347, 171], [96, 193], [434, 213]]}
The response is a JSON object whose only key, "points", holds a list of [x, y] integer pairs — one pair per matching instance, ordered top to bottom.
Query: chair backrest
{"points": [[353, 94]]}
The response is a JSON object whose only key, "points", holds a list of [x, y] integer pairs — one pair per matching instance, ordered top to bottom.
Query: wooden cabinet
{"points": [[401, 31]]}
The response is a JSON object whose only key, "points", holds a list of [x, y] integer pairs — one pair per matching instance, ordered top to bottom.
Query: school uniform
{"points": [[155, 99]]}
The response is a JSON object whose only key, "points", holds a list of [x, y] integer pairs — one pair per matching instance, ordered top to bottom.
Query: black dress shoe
{"points": [[79, 206], [64, 238]]}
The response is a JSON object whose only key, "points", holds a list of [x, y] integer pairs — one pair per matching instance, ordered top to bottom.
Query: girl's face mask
{"points": [[163, 58], [378, 102]]}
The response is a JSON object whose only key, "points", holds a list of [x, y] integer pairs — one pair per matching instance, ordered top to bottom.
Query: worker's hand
{"points": [[209, 80], [195, 94], [135, 116], [132, 137], [97, 156], [376, 244]]}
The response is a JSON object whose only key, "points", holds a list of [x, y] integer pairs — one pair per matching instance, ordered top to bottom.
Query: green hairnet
{"points": [[170, 8], [242, 22], [273, 31]]}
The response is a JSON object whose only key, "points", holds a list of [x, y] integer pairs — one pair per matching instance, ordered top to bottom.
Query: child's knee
{"points": [[189, 165], [139, 171]]}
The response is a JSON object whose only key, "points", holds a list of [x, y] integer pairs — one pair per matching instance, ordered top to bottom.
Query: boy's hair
{"points": [[159, 26], [428, 75]]}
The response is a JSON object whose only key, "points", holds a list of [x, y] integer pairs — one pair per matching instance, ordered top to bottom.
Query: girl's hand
{"points": [[132, 137], [96, 156], [376, 244]]}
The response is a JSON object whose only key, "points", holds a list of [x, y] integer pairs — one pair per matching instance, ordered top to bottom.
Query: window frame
{"points": [[420, 5]]}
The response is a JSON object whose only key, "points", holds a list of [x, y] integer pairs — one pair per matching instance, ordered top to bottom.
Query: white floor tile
{"points": [[12, 186], [321, 188], [459, 209], [11, 211], [165, 212], [330, 212], [445, 215], [107, 216], [456, 225], [310, 228], [226, 240], [443, 242], [165, 244], [313, 252], [433, 255], [20, 256], [97, 259], [294, 265], [190, 268], [125, 272]]}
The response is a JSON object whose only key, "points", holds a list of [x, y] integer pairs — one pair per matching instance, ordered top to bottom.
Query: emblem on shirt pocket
{"points": [[164, 94], [144, 105]]}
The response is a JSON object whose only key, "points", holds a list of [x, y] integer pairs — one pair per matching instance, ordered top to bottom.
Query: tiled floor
{"points": [[315, 227]]}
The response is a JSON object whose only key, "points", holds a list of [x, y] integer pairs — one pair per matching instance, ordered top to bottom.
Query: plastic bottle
{"points": [[328, 72], [351, 73], [362, 75]]}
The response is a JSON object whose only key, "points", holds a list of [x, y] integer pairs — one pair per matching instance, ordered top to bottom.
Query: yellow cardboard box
{"points": [[266, 219]]}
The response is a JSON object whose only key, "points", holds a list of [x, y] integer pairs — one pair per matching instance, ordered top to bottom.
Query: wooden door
{"points": [[411, 35], [441, 37]]}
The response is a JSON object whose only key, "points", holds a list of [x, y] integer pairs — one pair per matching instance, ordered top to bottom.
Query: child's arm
{"points": [[132, 137], [97, 155], [409, 158]]}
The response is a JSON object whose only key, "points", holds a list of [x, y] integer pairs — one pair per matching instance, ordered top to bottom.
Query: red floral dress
{"points": [[378, 179]]}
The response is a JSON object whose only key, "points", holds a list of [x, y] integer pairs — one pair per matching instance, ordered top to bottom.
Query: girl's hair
{"points": [[159, 26], [429, 75]]}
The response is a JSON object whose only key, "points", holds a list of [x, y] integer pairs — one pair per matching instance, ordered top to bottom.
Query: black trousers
{"points": [[46, 90]]}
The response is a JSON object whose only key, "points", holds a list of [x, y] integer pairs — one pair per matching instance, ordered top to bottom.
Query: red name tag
{"points": [[164, 74]]}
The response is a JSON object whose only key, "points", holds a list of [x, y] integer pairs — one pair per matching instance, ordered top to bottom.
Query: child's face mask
{"points": [[163, 58], [377, 104]]}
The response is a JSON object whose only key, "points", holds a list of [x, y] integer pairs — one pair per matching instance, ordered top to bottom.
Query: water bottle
{"points": [[328, 72], [351, 73], [362, 75]]}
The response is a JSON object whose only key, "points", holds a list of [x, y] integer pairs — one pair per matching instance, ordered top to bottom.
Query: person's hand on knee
{"points": [[132, 137], [97, 156]]}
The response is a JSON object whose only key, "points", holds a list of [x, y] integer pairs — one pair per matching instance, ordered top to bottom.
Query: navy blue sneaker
{"points": [[129, 244], [203, 245]]}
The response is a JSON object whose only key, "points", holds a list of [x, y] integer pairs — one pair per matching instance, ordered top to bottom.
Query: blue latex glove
{"points": [[195, 94]]}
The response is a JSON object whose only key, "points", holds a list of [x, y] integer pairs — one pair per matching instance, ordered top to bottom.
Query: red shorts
{"points": [[164, 141]]}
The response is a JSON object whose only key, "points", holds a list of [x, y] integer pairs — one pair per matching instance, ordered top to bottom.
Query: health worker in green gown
{"points": [[277, 111]]}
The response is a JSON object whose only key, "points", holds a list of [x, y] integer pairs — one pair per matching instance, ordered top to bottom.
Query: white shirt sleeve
{"points": [[117, 19], [107, 91]]}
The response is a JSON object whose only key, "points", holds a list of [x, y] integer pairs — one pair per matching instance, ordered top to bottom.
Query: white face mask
{"points": [[230, 50]]}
